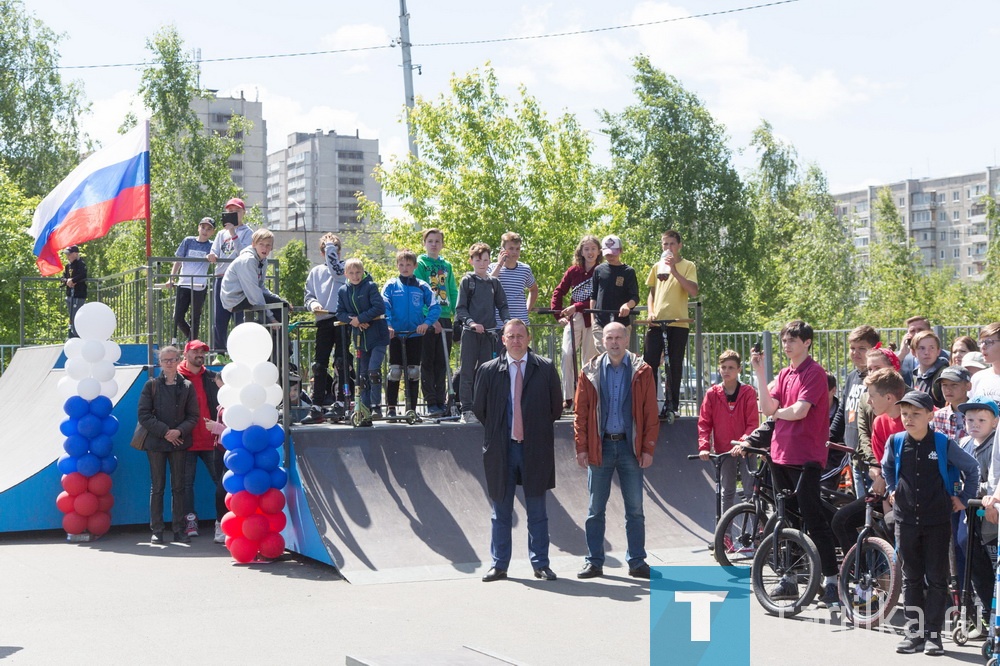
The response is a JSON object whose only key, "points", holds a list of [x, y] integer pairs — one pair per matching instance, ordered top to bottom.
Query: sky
{"points": [[872, 92]]}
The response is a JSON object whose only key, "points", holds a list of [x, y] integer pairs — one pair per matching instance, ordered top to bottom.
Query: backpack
{"points": [[950, 473]]}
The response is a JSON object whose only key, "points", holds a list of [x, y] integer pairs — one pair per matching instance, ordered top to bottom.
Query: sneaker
{"points": [[435, 411], [390, 413], [376, 414], [469, 417], [191, 526], [220, 536], [181, 537], [157, 538], [786, 589], [830, 597], [910, 645], [933, 647]]}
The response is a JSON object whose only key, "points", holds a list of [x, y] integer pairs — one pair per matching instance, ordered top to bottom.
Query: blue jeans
{"points": [[371, 366], [617, 456], [190, 467], [538, 521]]}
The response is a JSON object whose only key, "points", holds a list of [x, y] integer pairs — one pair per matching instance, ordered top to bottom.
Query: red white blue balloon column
{"points": [[89, 386], [252, 441]]}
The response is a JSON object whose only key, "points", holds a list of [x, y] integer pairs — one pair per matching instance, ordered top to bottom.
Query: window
{"points": [[350, 154], [236, 165], [356, 168], [352, 181], [346, 194], [955, 196], [940, 197], [921, 198], [902, 201], [955, 215], [921, 216], [942, 216], [348, 219], [956, 234], [943, 235], [925, 236], [861, 241], [969, 251], [956, 253], [942, 254], [969, 271]]}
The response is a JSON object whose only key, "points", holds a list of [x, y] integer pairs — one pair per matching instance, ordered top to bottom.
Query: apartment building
{"points": [[249, 166]]}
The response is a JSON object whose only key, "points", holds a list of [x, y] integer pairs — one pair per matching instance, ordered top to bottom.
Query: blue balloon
{"points": [[75, 406], [101, 406], [89, 426], [109, 426], [68, 427], [276, 436], [232, 439], [255, 439], [76, 446], [101, 446], [267, 460], [240, 461], [66, 464], [88, 464], [109, 464], [279, 478], [257, 481], [232, 482]]}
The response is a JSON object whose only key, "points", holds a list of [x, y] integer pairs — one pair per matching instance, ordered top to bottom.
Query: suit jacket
{"points": [[541, 406]]}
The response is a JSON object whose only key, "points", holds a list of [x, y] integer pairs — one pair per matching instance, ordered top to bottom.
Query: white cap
{"points": [[611, 245]]}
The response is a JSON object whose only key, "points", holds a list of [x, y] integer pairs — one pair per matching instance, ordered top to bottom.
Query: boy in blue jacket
{"points": [[406, 299], [360, 305], [927, 476]]}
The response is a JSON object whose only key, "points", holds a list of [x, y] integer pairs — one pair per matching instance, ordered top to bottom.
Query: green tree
{"points": [[39, 111], [487, 166], [671, 168], [293, 268]]}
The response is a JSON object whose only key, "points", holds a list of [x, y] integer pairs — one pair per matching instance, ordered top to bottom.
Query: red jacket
{"points": [[573, 276], [587, 419], [720, 423], [202, 438]]}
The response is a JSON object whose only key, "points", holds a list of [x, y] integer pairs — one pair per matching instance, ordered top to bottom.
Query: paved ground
{"points": [[120, 600]]}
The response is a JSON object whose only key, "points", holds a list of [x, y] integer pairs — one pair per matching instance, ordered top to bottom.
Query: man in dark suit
{"points": [[517, 398]]}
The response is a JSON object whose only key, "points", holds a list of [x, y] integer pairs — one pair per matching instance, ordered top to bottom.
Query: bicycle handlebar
{"points": [[713, 456]]}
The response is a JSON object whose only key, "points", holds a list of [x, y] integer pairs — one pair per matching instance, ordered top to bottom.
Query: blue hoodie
{"points": [[405, 299], [364, 302]]}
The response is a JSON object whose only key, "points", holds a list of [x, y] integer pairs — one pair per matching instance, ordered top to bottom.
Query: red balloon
{"points": [[74, 483], [99, 484], [229, 500], [272, 501], [64, 502], [105, 502], [85, 504], [244, 504], [276, 522], [74, 523], [99, 523], [232, 525], [255, 527], [229, 542], [272, 545], [243, 550]]}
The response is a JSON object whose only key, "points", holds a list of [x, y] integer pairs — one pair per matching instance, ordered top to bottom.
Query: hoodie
{"points": [[245, 279], [324, 282], [406, 300]]}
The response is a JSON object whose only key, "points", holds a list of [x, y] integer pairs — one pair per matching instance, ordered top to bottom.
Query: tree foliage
{"points": [[39, 111], [671, 168], [293, 268]]}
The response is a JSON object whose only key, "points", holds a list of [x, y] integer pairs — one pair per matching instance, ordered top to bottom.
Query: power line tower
{"points": [[408, 67]]}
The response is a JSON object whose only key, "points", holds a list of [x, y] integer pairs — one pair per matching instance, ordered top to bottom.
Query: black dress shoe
{"points": [[590, 571], [641, 571], [545, 573], [495, 574]]}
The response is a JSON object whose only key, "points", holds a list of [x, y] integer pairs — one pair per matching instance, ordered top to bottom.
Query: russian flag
{"points": [[109, 187]]}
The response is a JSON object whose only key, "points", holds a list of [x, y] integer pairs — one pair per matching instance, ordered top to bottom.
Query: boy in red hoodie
{"points": [[728, 412]]}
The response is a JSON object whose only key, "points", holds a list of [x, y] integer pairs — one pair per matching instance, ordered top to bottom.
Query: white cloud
{"points": [[355, 36], [106, 116]]}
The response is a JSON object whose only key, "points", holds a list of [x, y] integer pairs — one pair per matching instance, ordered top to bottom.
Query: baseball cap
{"points": [[235, 202], [207, 220], [611, 245], [72, 248], [195, 345], [974, 360], [954, 373], [917, 399], [980, 402]]}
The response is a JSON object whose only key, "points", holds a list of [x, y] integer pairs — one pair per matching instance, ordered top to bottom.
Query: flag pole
{"points": [[149, 209]]}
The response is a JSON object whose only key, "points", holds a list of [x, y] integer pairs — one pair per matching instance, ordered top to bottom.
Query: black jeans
{"points": [[194, 300], [220, 333], [677, 338], [335, 341], [414, 346], [433, 365], [158, 462], [190, 467], [811, 509], [847, 521], [924, 552]]}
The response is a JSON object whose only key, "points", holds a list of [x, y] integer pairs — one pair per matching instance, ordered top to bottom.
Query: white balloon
{"points": [[95, 321], [249, 343], [73, 348], [93, 351], [112, 352], [77, 368], [103, 371], [265, 373], [237, 375], [67, 387], [88, 388], [109, 388], [274, 395], [229, 396], [252, 396], [265, 416], [238, 417]]}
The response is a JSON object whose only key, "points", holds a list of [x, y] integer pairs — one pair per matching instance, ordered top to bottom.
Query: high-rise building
{"points": [[249, 166], [311, 184], [945, 218]]}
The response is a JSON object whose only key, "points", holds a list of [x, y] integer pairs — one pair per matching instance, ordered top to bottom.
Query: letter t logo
{"points": [[701, 611]]}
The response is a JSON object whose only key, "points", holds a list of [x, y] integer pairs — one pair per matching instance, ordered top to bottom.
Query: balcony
{"points": [[921, 225]]}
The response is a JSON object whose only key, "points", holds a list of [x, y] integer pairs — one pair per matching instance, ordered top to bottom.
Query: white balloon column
{"points": [[89, 386], [252, 440]]}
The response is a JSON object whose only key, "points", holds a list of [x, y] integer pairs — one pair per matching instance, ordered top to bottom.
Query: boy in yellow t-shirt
{"points": [[671, 281]]}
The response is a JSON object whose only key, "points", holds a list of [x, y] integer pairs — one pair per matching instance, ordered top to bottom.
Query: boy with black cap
{"points": [[75, 280], [614, 287], [928, 477]]}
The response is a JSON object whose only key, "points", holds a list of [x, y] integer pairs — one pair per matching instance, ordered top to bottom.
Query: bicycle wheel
{"points": [[738, 535], [794, 561], [870, 584]]}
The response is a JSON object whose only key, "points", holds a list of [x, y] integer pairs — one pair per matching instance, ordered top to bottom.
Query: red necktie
{"points": [[517, 426]]}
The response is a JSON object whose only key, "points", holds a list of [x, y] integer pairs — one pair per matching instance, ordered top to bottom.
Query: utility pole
{"points": [[404, 43]]}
